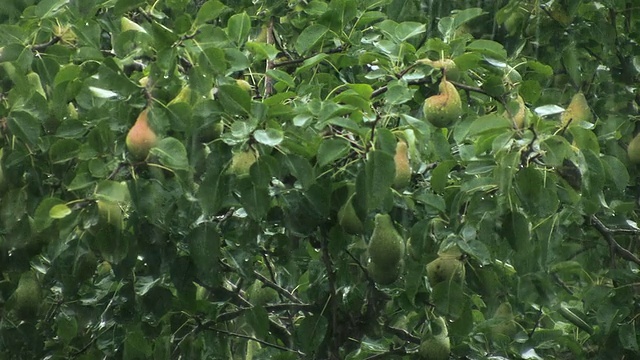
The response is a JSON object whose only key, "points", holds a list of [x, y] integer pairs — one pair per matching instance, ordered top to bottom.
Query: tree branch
{"points": [[44, 46], [613, 244], [277, 288], [333, 303], [207, 326]]}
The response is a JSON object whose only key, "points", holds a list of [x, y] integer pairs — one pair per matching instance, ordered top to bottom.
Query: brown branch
{"points": [[44, 46], [303, 59], [268, 81], [613, 244], [284, 292], [333, 303], [402, 334]]}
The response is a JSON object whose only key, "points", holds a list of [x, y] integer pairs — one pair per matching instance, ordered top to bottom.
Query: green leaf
{"points": [[49, 8], [209, 11], [238, 27], [309, 37], [488, 47], [280, 75], [234, 99], [487, 123], [24, 126], [270, 137], [64, 150], [331, 150], [171, 153], [301, 169], [380, 170], [112, 191], [254, 199], [59, 211], [42, 218], [204, 248], [448, 298], [311, 332]]}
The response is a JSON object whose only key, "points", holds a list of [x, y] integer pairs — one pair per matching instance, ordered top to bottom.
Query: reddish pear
{"points": [[141, 138]]}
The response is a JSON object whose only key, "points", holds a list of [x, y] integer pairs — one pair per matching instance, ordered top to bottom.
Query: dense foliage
{"points": [[290, 135]]}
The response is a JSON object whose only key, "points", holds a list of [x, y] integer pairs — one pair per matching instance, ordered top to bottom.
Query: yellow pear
{"points": [[185, 95], [443, 109], [577, 111], [141, 138], [633, 150], [241, 162], [403, 167], [348, 219], [386, 246], [445, 269], [27, 296]]}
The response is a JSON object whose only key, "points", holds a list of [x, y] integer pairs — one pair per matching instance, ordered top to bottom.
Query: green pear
{"points": [[443, 109], [577, 111], [141, 138], [633, 150], [241, 163], [403, 167], [348, 219], [386, 246], [445, 269], [384, 276], [27, 296], [436, 345]]}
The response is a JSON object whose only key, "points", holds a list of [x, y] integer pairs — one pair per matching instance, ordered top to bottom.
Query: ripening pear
{"points": [[244, 85], [185, 95], [443, 109], [577, 111], [520, 117], [141, 138], [633, 150], [241, 162], [403, 167], [348, 219], [386, 246], [445, 269], [384, 276], [27, 296], [436, 346]]}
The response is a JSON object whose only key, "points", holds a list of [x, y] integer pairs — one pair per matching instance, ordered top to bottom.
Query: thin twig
{"points": [[303, 59], [270, 308], [207, 326], [402, 334]]}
